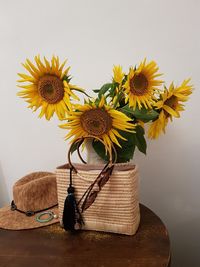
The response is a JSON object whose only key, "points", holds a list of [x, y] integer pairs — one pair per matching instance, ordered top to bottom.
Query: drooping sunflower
{"points": [[141, 85], [48, 87], [169, 105], [98, 120]]}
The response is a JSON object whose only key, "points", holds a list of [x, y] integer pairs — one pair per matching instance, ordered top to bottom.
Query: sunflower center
{"points": [[139, 84], [51, 88], [172, 102], [96, 121]]}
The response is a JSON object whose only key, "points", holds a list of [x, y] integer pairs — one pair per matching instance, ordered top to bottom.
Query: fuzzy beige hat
{"points": [[32, 195]]}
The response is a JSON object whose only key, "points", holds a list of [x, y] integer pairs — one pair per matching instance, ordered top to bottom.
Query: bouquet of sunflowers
{"points": [[120, 114]]}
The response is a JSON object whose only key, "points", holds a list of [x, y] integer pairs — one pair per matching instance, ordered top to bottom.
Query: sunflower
{"points": [[118, 74], [141, 85], [48, 87], [170, 105], [98, 120], [158, 126]]}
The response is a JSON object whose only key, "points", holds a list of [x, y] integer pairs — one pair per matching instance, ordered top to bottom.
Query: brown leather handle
{"points": [[80, 141]]}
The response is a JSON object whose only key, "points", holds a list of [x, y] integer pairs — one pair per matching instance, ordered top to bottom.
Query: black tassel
{"points": [[69, 213], [71, 216]]}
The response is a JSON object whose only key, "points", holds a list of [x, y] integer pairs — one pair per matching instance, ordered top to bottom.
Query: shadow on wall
{"points": [[4, 199]]}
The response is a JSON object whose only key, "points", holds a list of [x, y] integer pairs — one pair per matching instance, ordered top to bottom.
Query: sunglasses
{"points": [[92, 191]]}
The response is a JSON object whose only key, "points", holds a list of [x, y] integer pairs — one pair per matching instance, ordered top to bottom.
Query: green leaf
{"points": [[67, 78], [125, 79], [104, 88], [113, 89], [96, 90], [81, 91], [119, 96], [97, 101], [143, 114], [146, 114], [140, 141], [75, 146], [100, 150], [124, 154]]}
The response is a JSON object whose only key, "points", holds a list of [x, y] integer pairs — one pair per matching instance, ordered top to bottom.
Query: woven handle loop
{"points": [[79, 142]]}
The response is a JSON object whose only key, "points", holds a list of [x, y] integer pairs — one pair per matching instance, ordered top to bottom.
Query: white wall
{"points": [[94, 35]]}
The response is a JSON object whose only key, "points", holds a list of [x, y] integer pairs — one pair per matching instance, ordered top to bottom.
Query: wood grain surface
{"points": [[52, 246]]}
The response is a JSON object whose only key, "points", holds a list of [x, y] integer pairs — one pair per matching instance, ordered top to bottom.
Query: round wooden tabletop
{"points": [[52, 246]]}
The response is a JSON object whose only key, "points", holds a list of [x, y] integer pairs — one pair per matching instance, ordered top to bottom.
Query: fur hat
{"points": [[32, 195]]}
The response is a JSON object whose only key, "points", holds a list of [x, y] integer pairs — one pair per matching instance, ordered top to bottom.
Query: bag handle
{"points": [[79, 142], [72, 217]]}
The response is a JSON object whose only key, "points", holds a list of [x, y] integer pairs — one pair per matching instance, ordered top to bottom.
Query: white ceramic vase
{"points": [[92, 156]]}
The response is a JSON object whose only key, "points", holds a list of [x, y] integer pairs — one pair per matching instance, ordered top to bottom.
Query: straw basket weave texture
{"points": [[116, 208]]}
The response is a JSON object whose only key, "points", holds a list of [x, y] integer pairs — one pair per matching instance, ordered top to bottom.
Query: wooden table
{"points": [[52, 246]]}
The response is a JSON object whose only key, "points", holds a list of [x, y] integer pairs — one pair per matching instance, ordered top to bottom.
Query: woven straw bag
{"points": [[116, 208]]}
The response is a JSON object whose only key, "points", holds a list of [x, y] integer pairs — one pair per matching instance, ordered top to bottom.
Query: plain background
{"points": [[94, 35]]}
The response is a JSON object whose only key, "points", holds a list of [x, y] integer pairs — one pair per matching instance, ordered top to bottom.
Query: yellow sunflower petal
{"points": [[141, 85], [52, 98], [171, 111], [100, 121]]}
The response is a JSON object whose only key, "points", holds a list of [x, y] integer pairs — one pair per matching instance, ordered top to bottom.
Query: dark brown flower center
{"points": [[139, 84], [51, 88], [172, 102], [96, 121]]}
